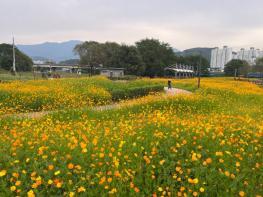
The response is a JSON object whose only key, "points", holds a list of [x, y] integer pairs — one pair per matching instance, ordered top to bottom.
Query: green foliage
{"points": [[91, 53], [111, 54], [156, 56], [148, 57], [131, 59], [23, 62], [259, 62], [241, 66], [259, 66], [134, 92]]}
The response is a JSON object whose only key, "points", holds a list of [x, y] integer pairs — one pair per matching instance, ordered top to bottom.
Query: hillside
{"points": [[51, 50], [205, 52], [23, 62]]}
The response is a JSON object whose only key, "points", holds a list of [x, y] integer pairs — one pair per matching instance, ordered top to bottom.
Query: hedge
{"points": [[134, 92]]}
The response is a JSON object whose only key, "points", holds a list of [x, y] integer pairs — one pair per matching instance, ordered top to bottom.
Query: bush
{"points": [[126, 77], [135, 92]]}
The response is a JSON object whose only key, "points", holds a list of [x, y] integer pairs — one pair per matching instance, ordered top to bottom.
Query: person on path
{"points": [[169, 85]]}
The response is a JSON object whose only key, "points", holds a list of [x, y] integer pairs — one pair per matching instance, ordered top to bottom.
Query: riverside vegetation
{"points": [[208, 143]]}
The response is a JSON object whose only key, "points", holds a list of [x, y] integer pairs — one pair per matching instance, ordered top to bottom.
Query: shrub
{"points": [[135, 92]]}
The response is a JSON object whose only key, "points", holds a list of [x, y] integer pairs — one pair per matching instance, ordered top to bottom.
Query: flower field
{"points": [[48, 95], [209, 143]]}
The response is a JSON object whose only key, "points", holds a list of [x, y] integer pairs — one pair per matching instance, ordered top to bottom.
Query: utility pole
{"points": [[14, 57], [199, 73], [235, 74]]}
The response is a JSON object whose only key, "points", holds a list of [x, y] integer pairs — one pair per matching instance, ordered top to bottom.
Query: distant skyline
{"points": [[182, 23]]}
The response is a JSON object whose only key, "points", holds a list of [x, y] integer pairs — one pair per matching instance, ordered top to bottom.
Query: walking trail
{"points": [[37, 115]]}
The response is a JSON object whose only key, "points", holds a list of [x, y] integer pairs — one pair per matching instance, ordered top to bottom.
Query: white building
{"points": [[250, 55], [220, 57], [112, 72]]}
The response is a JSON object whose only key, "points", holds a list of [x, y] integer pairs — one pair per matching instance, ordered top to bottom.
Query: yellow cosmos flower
{"points": [[101, 155], [162, 162], [70, 166], [2, 173], [227, 173], [193, 181], [18, 183], [13, 188], [81, 189], [31, 193], [241, 193], [71, 194]]}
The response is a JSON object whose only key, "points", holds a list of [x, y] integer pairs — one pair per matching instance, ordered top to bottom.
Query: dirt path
{"points": [[175, 91], [34, 115], [37, 115]]}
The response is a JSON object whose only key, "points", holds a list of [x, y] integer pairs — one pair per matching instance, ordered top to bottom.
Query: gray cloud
{"points": [[182, 23]]}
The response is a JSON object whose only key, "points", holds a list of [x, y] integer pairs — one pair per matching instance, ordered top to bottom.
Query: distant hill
{"points": [[51, 50], [176, 50], [205, 52], [23, 62], [70, 62]]}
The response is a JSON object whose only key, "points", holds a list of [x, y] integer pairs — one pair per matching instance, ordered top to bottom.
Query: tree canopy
{"points": [[90, 53], [111, 54], [156, 56], [148, 57], [259, 61], [23, 62], [240, 66]]}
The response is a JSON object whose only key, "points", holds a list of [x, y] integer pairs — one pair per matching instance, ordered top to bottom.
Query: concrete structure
{"points": [[250, 55], [220, 57], [50, 68], [180, 71], [112, 72]]}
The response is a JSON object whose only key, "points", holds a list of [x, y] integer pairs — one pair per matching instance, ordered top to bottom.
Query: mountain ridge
{"points": [[55, 51], [203, 51]]}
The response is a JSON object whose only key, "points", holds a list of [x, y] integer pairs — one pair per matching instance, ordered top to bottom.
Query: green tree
{"points": [[111, 51], [91, 53], [111, 54], [156, 56], [131, 60], [259, 61], [23, 62], [241, 66], [259, 66]]}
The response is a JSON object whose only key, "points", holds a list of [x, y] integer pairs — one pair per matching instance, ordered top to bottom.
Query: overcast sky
{"points": [[182, 23]]}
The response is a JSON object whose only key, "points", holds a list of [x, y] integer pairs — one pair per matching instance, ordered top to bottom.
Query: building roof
{"points": [[53, 66], [111, 68], [180, 69]]}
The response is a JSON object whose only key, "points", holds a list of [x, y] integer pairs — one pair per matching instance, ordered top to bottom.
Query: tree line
{"points": [[148, 57], [23, 62], [242, 67]]}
